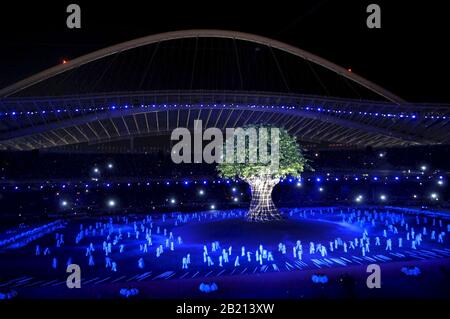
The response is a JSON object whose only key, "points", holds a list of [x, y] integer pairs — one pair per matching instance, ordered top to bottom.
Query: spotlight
{"points": [[381, 155], [110, 166], [423, 167], [96, 170], [440, 182], [299, 184], [234, 189], [320, 189], [201, 192], [414, 196], [434, 196], [383, 197], [359, 198], [235, 199], [172, 201], [64, 203], [111, 203], [212, 206]]}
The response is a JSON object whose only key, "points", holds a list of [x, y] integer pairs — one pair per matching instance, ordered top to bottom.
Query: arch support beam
{"points": [[128, 45], [128, 112]]}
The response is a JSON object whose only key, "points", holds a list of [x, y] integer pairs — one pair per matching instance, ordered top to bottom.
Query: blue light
{"points": [[281, 107], [318, 179], [205, 182]]}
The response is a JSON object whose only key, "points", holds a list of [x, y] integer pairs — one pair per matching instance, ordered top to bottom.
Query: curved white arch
{"points": [[166, 36]]}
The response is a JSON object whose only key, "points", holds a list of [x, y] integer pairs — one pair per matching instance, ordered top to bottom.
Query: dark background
{"points": [[408, 55]]}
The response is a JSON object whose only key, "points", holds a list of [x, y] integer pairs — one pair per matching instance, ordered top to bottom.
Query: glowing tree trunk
{"points": [[262, 207]]}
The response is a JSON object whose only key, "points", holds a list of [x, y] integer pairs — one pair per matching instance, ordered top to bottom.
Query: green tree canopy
{"points": [[292, 162]]}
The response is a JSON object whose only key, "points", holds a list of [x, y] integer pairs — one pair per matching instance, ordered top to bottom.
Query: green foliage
{"points": [[291, 159]]}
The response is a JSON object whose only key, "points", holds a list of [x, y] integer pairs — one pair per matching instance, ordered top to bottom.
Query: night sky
{"points": [[408, 55]]}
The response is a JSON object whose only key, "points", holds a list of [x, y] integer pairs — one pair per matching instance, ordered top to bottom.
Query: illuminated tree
{"points": [[262, 177]]}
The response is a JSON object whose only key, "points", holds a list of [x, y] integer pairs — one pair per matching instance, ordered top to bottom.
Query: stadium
{"points": [[87, 177]]}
